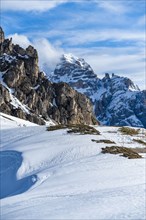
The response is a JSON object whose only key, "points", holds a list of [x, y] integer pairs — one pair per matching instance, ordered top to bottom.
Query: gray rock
{"points": [[2, 36], [42, 99], [116, 100]]}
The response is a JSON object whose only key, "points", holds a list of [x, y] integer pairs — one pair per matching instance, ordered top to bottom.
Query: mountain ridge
{"points": [[28, 94], [116, 100]]}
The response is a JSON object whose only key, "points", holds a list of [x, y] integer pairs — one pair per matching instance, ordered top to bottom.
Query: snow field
{"points": [[74, 179]]}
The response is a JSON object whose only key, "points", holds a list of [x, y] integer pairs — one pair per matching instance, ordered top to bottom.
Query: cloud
{"points": [[28, 5], [112, 6], [89, 36], [20, 39], [49, 54], [124, 61], [128, 62]]}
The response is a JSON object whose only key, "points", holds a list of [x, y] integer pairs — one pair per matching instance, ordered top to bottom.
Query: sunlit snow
{"points": [[70, 177]]}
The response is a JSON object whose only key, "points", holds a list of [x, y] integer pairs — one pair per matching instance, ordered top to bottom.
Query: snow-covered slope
{"points": [[117, 101], [8, 121], [65, 176]]}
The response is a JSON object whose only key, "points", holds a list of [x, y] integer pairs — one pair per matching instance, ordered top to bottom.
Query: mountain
{"points": [[28, 94], [117, 101]]}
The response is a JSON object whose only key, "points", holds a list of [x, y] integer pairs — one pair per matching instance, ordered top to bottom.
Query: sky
{"points": [[108, 34]]}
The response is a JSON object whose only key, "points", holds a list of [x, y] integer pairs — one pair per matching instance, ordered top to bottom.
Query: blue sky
{"points": [[108, 34]]}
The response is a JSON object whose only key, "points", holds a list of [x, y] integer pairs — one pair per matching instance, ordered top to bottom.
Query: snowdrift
{"points": [[65, 176]]}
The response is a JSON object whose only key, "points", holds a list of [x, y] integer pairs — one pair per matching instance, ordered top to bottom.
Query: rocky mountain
{"points": [[28, 94], [116, 100]]}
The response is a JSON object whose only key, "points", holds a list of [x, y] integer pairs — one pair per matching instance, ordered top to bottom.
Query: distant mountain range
{"points": [[117, 101]]}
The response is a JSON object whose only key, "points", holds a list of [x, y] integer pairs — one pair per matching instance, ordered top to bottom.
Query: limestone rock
{"points": [[2, 36], [28, 94], [116, 100]]}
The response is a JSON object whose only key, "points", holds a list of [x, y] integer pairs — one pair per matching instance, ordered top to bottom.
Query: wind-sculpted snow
{"points": [[74, 179], [10, 185]]}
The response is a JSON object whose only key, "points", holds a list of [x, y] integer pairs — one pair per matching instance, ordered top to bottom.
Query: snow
{"points": [[24, 56], [8, 58], [70, 58], [36, 87], [112, 93], [14, 101], [54, 102], [8, 121], [70, 177]]}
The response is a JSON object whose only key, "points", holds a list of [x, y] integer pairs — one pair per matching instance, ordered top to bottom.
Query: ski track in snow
{"points": [[72, 178]]}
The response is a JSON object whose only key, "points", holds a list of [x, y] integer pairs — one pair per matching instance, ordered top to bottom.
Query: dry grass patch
{"points": [[56, 127], [76, 128], [83, 129], [129, 131], [103, 141], [140, 141], [139, 150], [126, 152]]}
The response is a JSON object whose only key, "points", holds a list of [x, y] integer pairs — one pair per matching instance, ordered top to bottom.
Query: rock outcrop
{"points": [[2, 35], [27, 93], [117, 101]]}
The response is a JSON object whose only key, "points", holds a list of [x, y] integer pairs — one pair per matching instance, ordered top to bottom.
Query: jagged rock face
{"points": [[2, 36], [77, 73], [27, 93], [116, 100], [74, 106]]}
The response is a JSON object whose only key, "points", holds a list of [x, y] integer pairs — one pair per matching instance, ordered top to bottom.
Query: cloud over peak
{"points": [[49, 54]]}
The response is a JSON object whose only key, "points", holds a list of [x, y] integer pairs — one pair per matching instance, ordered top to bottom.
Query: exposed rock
{"points": [[2, 36], [28, 94], [4, 95], [117, 101], [75, 108], [76, 128]]}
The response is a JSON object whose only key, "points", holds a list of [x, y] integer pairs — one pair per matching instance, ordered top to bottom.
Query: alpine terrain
{"points": [[27, 93], [116, 100], [57, 161], [56, 174]]}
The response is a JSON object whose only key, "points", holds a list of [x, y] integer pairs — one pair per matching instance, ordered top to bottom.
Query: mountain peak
{"points": [[2, 35], [69, 58], [72, 60], [28, 94], [116, 99]]}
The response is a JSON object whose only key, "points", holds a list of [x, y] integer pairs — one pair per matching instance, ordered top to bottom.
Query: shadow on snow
{"points": [[10, 162]]}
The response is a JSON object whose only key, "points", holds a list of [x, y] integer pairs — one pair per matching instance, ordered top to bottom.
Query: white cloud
{"points": [[28, 5], [112, 6], [88, 36], [20, 39], [48, 54], [128, 61]]}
